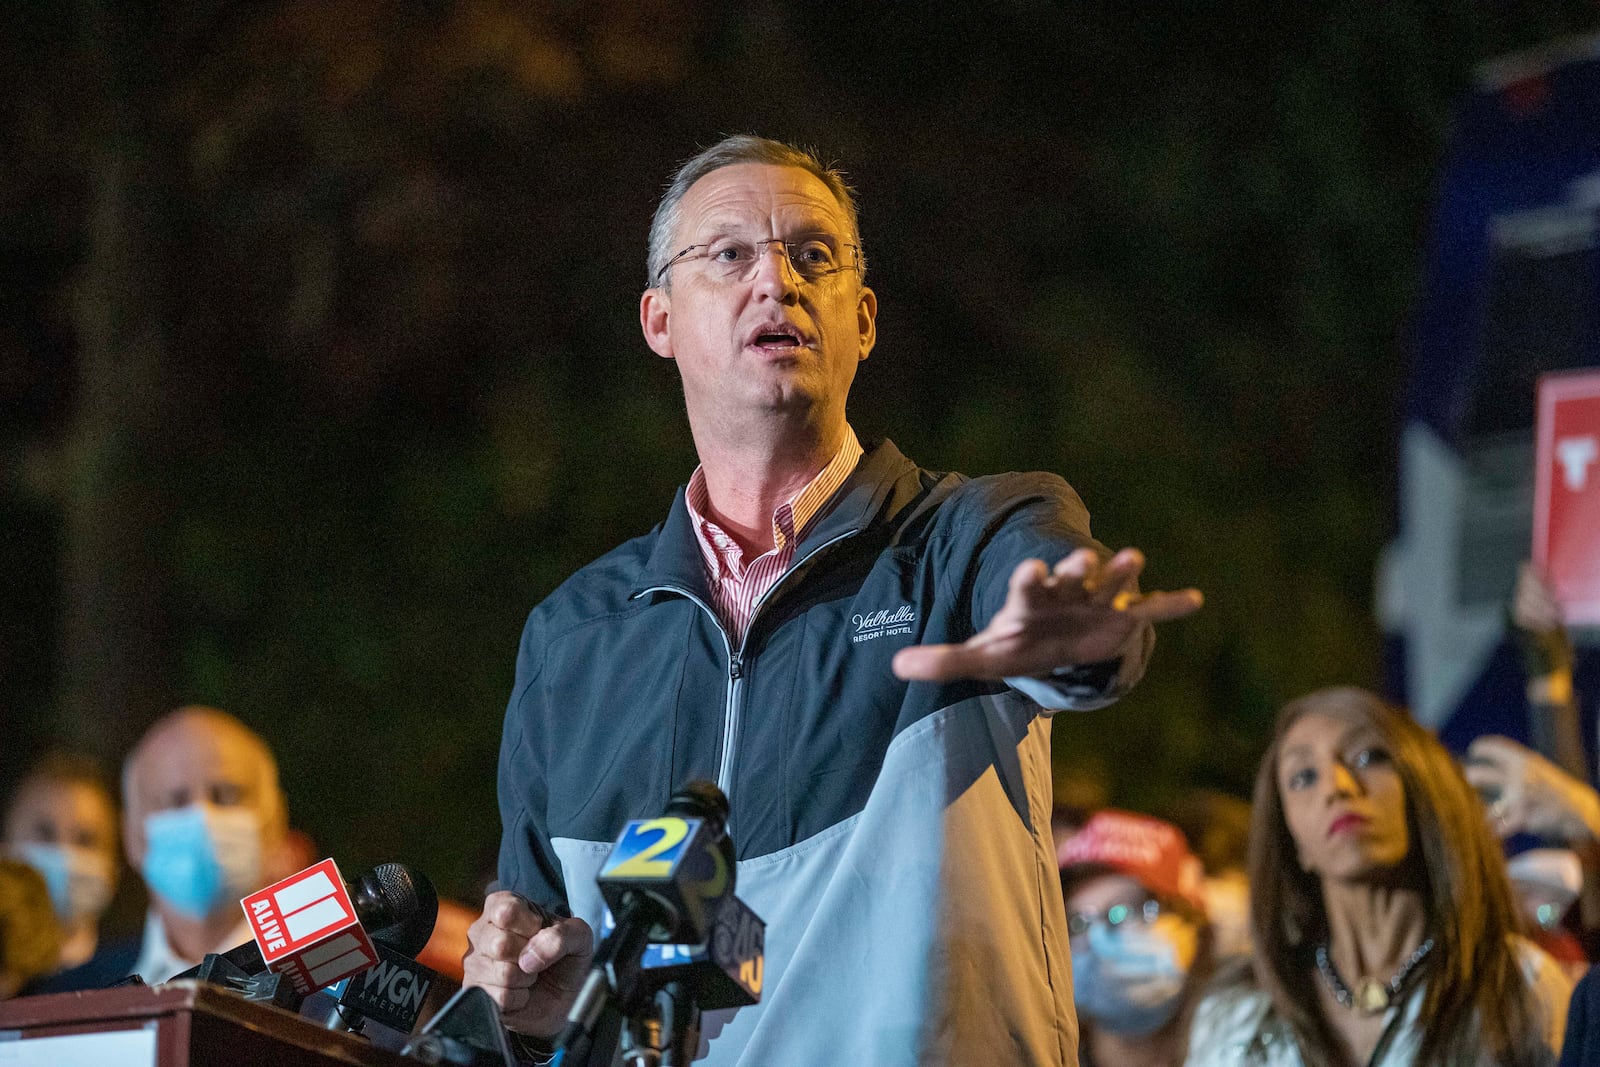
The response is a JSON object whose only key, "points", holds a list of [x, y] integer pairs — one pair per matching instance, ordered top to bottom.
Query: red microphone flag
{"points": [[307, 929]]}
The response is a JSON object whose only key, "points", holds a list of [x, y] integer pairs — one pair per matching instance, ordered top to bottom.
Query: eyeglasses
{"points": [[736, 260], [1078, 922]]}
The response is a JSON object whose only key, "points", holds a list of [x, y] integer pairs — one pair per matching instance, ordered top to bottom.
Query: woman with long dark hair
{"points": [[1384, 924]]}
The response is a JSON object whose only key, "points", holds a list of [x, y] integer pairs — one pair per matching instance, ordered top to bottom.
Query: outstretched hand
{"points": [[1079, 612]]}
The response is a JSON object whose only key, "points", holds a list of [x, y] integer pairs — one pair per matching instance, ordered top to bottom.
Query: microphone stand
{"points": [[611, 985], [680, 1024], [665, 1032]]}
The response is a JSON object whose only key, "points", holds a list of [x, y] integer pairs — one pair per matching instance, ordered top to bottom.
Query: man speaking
{"points": [[863, 654]]}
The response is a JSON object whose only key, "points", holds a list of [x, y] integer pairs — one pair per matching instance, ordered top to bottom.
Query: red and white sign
{"points": [[1566, 508], [306, 928]]}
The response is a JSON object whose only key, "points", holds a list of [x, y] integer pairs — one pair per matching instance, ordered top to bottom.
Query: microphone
{"points": [[673, 868], [662, 881], [398, 904], [325, 914], [304, 930], [725, 972], [684, 980], [393, 990], [390, 993]]}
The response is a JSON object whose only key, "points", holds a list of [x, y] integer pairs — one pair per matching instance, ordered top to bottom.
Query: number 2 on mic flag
{"points": [[1566, 512], [649, 848], [307, 929]]}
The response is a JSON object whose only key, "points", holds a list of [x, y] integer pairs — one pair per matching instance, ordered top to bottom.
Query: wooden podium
{"points": [[179, 1024]]}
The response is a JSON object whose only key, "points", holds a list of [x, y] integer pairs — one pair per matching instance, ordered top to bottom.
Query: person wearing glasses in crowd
{"points": [[861, 653], [1385, 926], [1142, 949]]}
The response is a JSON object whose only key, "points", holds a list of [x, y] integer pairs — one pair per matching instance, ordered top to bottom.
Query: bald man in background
{"points": [[204, 823]]}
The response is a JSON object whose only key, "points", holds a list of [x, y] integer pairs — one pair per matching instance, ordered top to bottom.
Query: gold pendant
{"points": [[1372, 996]]}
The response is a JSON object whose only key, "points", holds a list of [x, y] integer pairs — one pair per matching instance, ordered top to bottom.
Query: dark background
{"points": [[320, 365]]}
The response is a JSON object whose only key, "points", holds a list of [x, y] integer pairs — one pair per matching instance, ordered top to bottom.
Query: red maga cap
{"points": [[1150, 851]]}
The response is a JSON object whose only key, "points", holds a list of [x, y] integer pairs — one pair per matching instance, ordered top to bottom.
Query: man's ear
{"points": [[655, 309], [867, 321]]}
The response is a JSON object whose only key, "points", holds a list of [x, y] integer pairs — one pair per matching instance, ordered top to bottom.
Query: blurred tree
{"points": [[116, 643]]}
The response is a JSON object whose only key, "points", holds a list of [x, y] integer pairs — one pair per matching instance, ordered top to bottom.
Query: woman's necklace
{"points": [[1371, 996]]}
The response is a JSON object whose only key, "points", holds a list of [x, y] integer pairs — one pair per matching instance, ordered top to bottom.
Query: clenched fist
{"points": [[529, 960]]}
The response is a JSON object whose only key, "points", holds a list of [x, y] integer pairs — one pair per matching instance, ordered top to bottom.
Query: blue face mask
{"points": [[201, 857], [80, 880], [1128, 980]]}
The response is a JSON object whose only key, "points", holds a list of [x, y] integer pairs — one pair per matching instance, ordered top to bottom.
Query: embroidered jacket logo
{"points": [[884, 623]]}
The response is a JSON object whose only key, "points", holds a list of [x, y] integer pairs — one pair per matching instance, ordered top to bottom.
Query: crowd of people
{"points": [[200, 817], [202, 821], [1383, 921], [1382, 924], [1385, 924]]}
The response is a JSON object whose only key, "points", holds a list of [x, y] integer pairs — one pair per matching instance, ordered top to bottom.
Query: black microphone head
{"points": [[701, 799], [397, 905]]}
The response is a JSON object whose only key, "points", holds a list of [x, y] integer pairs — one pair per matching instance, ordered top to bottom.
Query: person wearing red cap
{"points": [[1141, 945]]}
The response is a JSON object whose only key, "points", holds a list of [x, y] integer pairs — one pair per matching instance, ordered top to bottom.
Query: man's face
{"points": [[729, 336], [198, 762]]}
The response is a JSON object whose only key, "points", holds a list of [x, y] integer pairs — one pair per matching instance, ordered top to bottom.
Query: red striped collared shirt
{"points": [[737, 585]]}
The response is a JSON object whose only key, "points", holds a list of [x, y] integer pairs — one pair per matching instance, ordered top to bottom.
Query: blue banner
{"points": [[1511, 290]]}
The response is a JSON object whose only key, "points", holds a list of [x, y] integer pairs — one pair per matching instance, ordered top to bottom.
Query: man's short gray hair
{"points": [[742, 148]]}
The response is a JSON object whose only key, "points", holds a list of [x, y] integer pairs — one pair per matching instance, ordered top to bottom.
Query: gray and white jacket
{"points": [[895, 836]]}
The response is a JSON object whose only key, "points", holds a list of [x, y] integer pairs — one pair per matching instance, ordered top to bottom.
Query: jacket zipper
{"points": [[730, 700], [733, 704], [731, 716]]}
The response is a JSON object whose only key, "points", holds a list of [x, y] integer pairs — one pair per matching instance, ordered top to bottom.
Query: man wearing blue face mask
{"points": [[204, 823], [1141, 946]]}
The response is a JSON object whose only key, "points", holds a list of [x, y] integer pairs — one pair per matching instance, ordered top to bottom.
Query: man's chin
{"points": [[781, 387]]}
